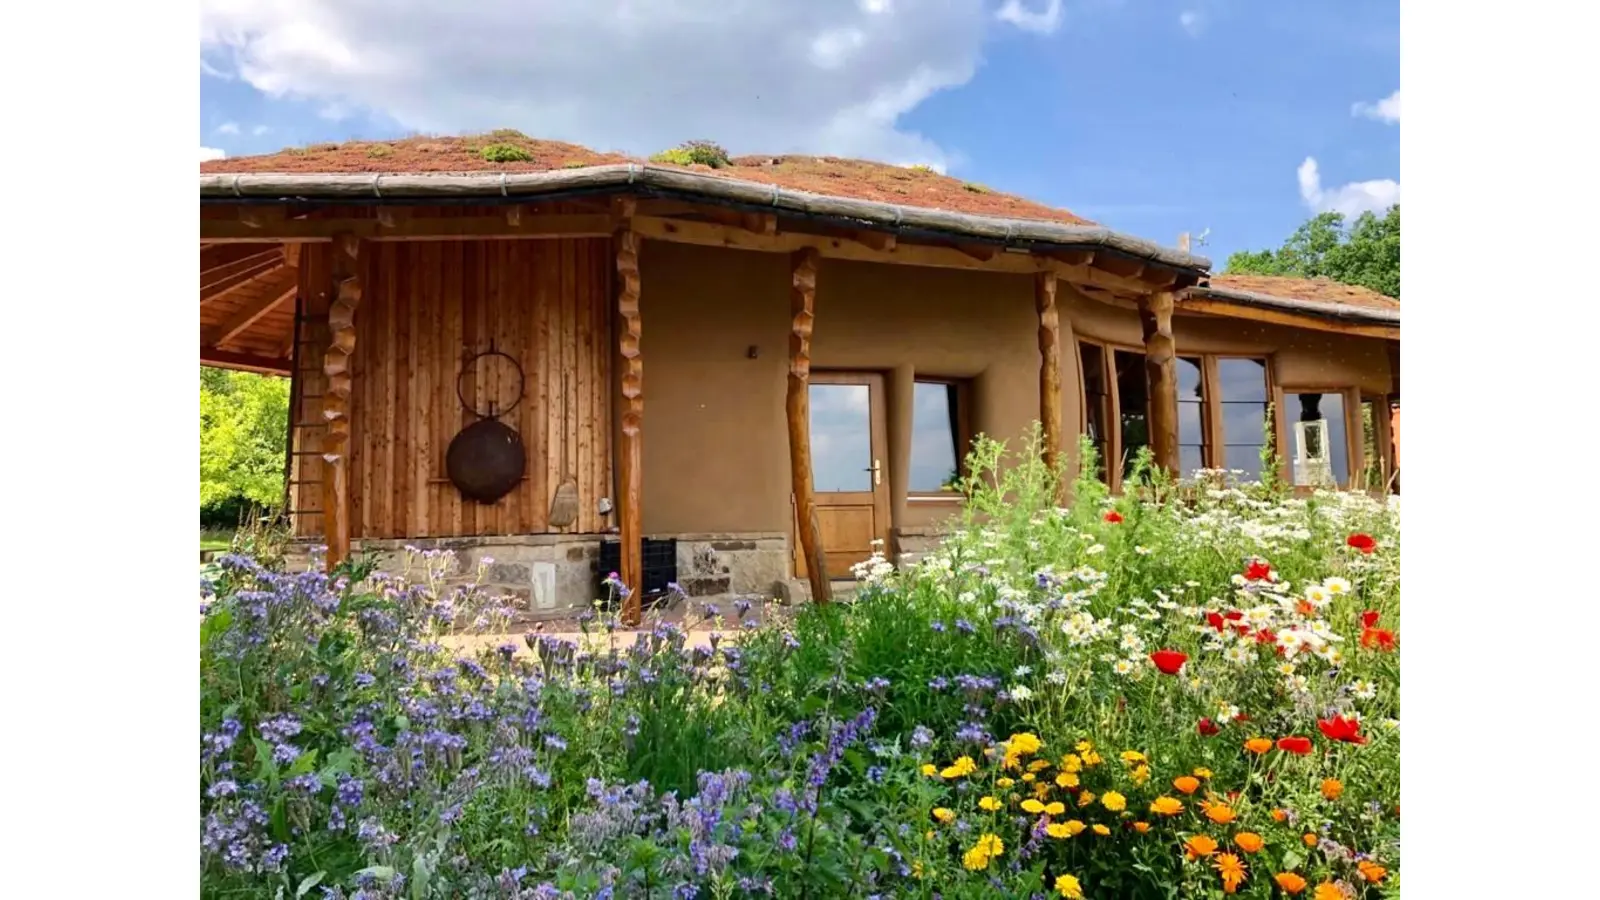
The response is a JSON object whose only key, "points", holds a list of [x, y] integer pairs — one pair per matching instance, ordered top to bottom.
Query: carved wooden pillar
{"points": [[802, 297], [1044, 299], [1161, 372], [336, 399], [630, 457]]}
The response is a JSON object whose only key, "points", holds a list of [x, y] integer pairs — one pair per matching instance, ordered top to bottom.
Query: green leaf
{"points": [[214, 624], [305, 762], [266, 767], [1292, 860], [382, 873], [421, 875], [307, 883]]}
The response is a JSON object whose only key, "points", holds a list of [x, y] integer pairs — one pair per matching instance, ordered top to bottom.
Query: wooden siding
{"points": [[428, 306]]}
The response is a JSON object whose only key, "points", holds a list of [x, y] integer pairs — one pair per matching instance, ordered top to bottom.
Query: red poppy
{"points": [[1113, 517], [1362, 542], [1257, 571], [1233, 615], [1369, 618], [1215, 620], [1244, 630], [1266, 636], [1377, 639], [1168, 661], [1242, 717], [1207, 728], [1339, 728], [1295, 744]]}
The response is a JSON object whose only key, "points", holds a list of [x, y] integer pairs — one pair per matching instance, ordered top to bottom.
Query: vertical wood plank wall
{"points": [[429, 305]]}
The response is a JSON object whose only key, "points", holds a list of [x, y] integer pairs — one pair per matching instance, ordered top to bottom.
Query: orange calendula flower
{"points": [[1258, 745], [1072, 762], [1038, 765], [930, 769], [1140, 774], [1067, 779], [1186, 783], [1331, 788], [989, 804], [1166, 806], [1220, 813], [1279, 815], [945, 816], [1073, 827], [1141, 827], [1100, 829], [1310, 839], [1249, 841], [1199, 845], [988, 847], [1232, 871], [1371, 871], [1290, 882], [1067, 886], [1327, 891]]}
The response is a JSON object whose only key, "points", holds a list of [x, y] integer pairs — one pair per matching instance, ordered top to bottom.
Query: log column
{"points": [[802, 297], [1044, 297], [1161, 372], [336, 399], [630, 455]]}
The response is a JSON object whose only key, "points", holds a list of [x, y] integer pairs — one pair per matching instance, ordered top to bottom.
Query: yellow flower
{"points": [[1025, 742], [1258, 745], [1084, 746], [1133, 756], [1092, 759], [1072, 762], [1038, 765], [962, 766], [930, 769], [1202, 772], [1141, 774], [1029, 777], [1066, 779], [1004, 782], [1186, 783], [1331, 788], [1041, 790], [1086, 798], [1114, 801], [989, 803], [1032, 806], [1166, 806], [1055, 809], [1220, 813], [945, 816], [1073, 827], [1141, 827], [1100, 829], [1059, 830], [929, 834], [1249, 841], [1199, 845], [987, 848], [916, 870], [1371, 871], [1232, 872], [1290, 882], [1068, 887], [1327, 891]]}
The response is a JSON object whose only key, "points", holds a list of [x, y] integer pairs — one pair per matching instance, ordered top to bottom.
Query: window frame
{"points": [[1108, 374], [1353, 433], [963, 436], [1216, 438]]}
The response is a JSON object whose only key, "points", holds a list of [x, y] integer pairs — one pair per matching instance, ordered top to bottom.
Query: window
{"points": [[1242, 395], [1096, 402], [1133, 405], [1191, 416], [938, 437], [1376, 442], [1319, 454]]}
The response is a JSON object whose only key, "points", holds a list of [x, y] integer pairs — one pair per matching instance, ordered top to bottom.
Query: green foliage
{"points": [[379, 151], [504, 153], [689, 153], [974, 187], [1365, 254], [244, 426]]}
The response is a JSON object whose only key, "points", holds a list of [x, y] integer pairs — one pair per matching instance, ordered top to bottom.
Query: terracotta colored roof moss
{"points": [[853, 178], [1308, 290]]}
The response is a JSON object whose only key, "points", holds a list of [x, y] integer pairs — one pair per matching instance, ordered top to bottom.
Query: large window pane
{"points": [[1189, 379], [1242, 379], [1242, 393], [1096, 401], [1132, 405], [1191, 416], [1244, 424], [841, 437], [1319, 453], [1246, 460], [934, 461]]}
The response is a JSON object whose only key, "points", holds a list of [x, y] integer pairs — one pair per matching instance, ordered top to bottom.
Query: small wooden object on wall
{"points": [[486, 460], [564, 506]]}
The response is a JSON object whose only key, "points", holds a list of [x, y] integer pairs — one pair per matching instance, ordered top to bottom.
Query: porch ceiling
{"points": [[247, 306]]}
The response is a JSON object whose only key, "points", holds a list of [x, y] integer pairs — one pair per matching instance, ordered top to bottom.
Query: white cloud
{"points": [[1043, 21], [1193, 21], [823, 76], [1385, 110], [228, 128], [259, 130], [210, 153], [1350, 199]]}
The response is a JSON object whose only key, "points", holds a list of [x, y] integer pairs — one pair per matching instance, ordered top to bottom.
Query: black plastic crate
{"points": [[660, 560]]}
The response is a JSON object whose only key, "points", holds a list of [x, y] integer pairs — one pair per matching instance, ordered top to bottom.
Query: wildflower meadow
{"points": [[1190, 690]]}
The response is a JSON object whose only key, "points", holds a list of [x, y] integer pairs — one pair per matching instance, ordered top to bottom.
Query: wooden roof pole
{"points": [[1044, 296], [802, 297], [1161, 372], [336, 399], [630, 457]]}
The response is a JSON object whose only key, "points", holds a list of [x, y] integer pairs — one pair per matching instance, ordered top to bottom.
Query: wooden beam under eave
{"points": [[394, 225], [228, 286], [1044, 301], [1211, 307], [250, 313], [243, 362], [336, 365], [1161, 372], [797, 406], [630, 460]]}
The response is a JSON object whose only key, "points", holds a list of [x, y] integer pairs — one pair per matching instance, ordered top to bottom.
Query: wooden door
{"points": [[849, 468]]}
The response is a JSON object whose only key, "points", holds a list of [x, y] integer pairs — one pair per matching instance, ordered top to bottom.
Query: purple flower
{"points": [[965, 627], [921, 737]]}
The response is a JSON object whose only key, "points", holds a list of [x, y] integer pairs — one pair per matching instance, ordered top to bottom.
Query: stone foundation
{"points": [[915, 543], [741, 565]]}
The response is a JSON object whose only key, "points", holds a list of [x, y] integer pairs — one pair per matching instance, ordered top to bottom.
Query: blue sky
{"points": [[1151, 116]]}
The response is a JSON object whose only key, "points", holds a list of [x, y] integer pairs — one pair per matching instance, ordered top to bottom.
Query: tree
{"points": [[1365, 254], [244, 422]]}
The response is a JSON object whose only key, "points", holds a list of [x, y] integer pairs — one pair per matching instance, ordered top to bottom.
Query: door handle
{"points": [[877, 473]]}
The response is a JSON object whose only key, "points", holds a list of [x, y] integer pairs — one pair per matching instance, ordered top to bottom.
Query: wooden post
{"points": [[802, 297], [1044, 298], [1161, 372], [336, 399], [630, 458]]}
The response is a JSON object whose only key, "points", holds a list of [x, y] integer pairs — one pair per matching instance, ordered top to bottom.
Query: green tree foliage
{"points": [[1366, 254], [244, 421]]}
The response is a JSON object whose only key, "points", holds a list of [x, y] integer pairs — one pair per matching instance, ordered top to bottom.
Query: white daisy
{"points": [[1336, 586], [1123, 667]]}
